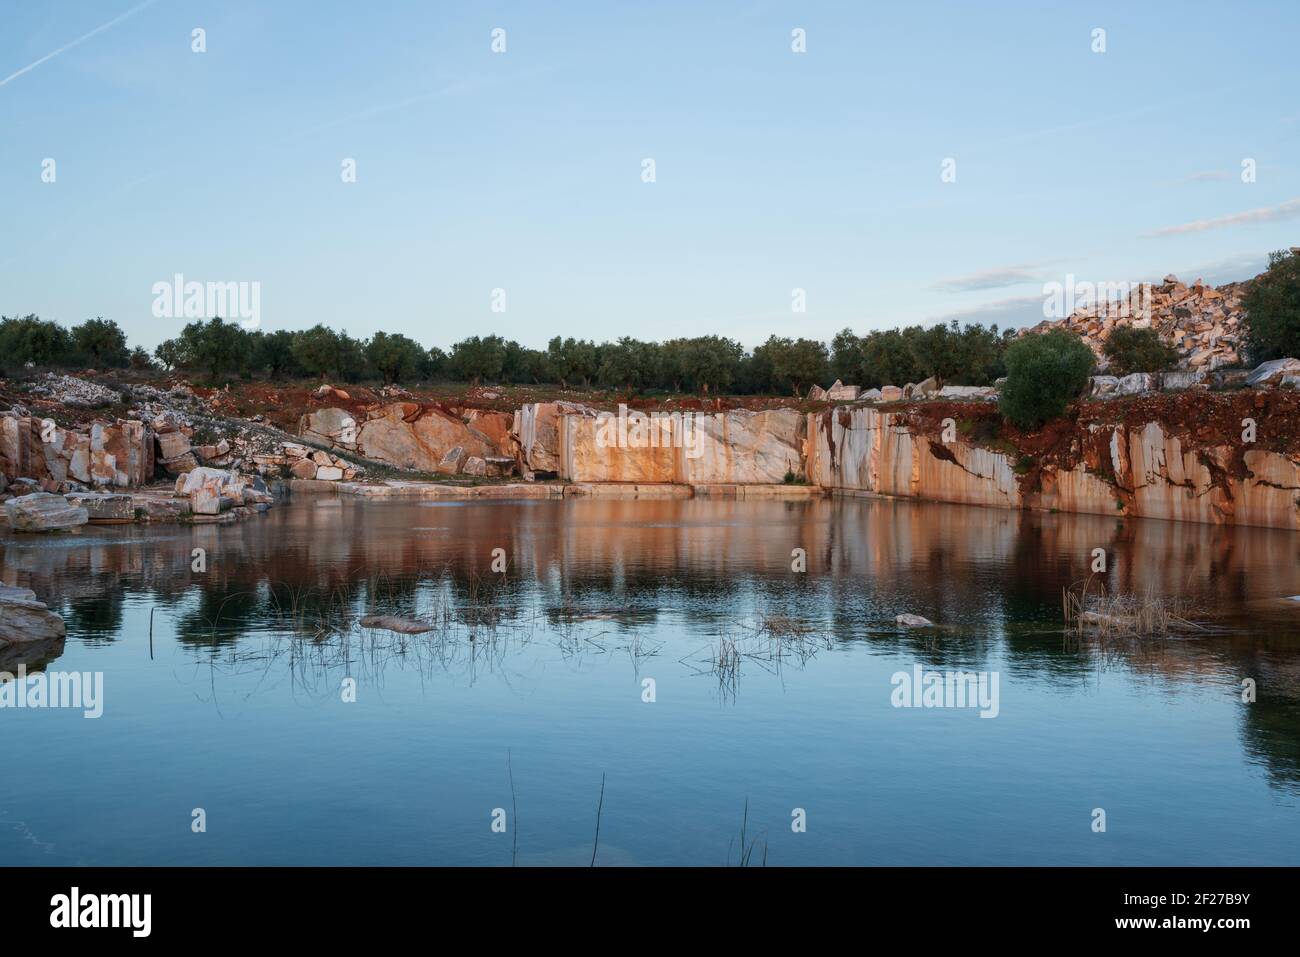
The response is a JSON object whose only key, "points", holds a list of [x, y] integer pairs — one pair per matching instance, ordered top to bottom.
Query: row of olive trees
{"points": [[96, 343], [969, 355], [705, 364]]}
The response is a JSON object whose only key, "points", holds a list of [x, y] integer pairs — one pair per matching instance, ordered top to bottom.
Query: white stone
{"points": [[909, 620]]}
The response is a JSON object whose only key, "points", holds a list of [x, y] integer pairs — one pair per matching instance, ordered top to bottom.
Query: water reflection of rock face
{"points": [[941, 558], [997, 572], [34, 655]]}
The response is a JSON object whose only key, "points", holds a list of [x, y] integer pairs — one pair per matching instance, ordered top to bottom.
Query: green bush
{"points": [[1273, 310], [32, 339], [102, 343], [1138, 350], [1044, 372]]}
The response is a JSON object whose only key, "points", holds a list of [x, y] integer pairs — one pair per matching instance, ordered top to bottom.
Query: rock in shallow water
{"points": [[44, 512], [23, 618], [908, 620], [406, 626]]}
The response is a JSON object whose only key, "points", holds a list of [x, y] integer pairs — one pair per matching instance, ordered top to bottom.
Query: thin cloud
{"points": [[80, 40], [455, 87], [1208, 176], [1265, 214], [1230, 269], [988, 279], [1010, 313]]}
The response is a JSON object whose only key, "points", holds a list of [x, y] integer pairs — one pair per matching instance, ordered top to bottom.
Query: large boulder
{"points": [[1273, 372], [1176, 381], [1135, 384], [1103, 385], [923, 389], [839, 392], [967, 392], [330, 427], [172, 445], [121, 454], [181, 464], [218, 479], [205, 500], [105, 508], [161, 509], [43, 512], [24, 619]]}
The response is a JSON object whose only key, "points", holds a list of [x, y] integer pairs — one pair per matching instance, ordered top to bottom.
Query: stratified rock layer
{"points": [[738, 447], [1146, 472], [43, 512]]}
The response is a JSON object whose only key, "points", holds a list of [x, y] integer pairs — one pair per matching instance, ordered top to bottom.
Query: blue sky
{"points": [[522, 170]]}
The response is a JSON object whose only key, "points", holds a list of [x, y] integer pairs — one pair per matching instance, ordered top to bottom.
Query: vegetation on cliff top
{"points": [[1273, 304], [1138, 350], [224, 351], [1044, 374], [1042, 379]]}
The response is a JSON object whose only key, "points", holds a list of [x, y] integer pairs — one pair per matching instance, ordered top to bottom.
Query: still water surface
{"points": [[236, 706]]}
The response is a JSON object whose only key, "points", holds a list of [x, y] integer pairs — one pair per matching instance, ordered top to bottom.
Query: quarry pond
{"points": [[731, 670]]}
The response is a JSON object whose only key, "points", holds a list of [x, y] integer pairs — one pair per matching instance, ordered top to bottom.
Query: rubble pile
{"points": [[1205, 324], [74, 392], [303, 462]]}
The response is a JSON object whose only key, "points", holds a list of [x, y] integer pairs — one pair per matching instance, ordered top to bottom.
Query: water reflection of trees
{"points": [[990, 578]]}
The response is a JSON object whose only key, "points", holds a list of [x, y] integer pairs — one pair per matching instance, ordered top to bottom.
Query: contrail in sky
{"points": [[68, 46]]}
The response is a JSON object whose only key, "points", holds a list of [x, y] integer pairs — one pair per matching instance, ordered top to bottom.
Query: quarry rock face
{"points": [[536, 432], [406, 435], [413, 436], [736, 447], [747, 448], [867, 450], [120, 454], [585, 457], [1143, 471]]}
